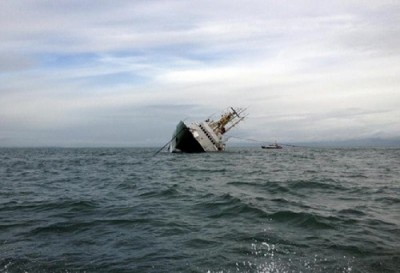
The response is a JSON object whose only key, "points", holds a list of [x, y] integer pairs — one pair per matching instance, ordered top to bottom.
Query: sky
{"points": [[123, 73]]}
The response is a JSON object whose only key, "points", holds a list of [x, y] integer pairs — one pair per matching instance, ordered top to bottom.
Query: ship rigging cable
{"points": [[169, 142]]}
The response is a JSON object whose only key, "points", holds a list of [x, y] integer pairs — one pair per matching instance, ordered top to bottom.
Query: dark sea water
{"points": [[244, 210]]}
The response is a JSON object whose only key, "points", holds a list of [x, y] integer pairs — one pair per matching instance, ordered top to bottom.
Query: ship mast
{"points": [[231, 116]]}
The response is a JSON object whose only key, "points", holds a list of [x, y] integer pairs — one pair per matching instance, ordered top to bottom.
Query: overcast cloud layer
{"points": [[123, 73]]}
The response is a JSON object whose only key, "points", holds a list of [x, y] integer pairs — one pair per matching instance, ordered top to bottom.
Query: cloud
{"points": [[137, 67]]}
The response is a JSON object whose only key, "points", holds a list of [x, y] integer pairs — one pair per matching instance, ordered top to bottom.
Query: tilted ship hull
{"points": [[206, 136], [184, 140]]}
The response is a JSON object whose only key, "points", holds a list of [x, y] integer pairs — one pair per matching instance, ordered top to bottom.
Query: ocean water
{"points": [[244, 210]]}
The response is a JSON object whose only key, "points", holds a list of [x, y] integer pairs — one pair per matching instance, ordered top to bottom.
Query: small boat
{"points": [[205, 136], [272, 146]]}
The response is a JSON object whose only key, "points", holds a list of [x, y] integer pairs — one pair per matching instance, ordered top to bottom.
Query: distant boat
{"points": [[205, 136], [272, 146]]}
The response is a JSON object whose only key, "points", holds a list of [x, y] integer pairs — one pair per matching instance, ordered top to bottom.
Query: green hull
{"points": [[184, 140]]}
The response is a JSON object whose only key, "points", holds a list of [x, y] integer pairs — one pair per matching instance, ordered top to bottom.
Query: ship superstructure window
{"points": [[207, 134]]}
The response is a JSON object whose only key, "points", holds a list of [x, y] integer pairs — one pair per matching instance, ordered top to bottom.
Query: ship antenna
{"points": [[234, 111]]}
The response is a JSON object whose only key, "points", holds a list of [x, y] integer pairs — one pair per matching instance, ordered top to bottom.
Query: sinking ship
{"points": [[205, 136]]}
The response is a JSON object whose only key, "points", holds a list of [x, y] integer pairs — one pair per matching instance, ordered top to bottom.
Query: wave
{"points": [[327, 183], [276, 187], [165, 193], [389, 200], [40, 206], [229, 206], [352, 212], [304, 219], [59, 228], [201, 243]]}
